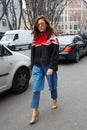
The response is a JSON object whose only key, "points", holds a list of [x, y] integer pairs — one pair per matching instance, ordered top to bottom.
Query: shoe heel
{"points": [[54, 104], [35, 118]]}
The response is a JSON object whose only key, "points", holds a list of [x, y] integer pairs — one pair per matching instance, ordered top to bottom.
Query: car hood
{"points": [[4, 43], [20, 58]]}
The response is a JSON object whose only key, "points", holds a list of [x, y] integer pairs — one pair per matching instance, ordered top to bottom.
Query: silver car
{"points": [[15, 70]]}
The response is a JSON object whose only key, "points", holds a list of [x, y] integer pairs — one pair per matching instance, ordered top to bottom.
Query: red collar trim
{"points": [[42, 38]]}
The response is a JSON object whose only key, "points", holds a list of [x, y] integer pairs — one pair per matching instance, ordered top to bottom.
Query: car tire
{"points": [[29, 47], [12, 48], [20, 49], [77, 57], [20, 81]]}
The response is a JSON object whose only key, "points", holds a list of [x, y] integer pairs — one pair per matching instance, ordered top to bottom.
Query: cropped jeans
{"points": [[39, 74], [36, 98]]}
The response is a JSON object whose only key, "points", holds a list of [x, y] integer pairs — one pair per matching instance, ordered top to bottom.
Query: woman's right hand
{"points": [[49, 72]]}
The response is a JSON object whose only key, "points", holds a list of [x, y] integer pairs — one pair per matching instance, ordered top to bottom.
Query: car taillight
{"points": [[68, 49]]}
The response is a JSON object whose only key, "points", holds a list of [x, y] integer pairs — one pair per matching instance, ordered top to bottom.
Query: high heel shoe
{"points": [[54, 104], [35, 117]]}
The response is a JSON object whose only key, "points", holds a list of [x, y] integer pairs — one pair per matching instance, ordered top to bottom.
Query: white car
{"points": [[17, 39], [15, 70]]}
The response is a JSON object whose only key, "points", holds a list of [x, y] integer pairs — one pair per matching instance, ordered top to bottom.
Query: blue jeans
{"points": [[39, 74], [36, 98]]}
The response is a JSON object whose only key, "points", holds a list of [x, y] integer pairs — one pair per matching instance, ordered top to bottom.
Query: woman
{"points": [[44, 62]]}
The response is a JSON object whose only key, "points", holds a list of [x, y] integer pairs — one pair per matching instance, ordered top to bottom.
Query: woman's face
{"points": [[41, 25]]}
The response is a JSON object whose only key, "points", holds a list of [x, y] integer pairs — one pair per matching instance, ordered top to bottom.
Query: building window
{"points": [[71, 3], [75, 3], [79, 3], [65, 11], [71, 11], [74, 11], [79, 11], [61, 18], [65, 18], [70, 18], [74, 18], [79, 18], [3, 22], [62, 26], [65, 26], [78, 26], [59, 27], [70, 27], [75, 27]]}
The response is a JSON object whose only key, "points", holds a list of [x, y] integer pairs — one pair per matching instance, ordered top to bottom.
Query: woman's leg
{"points": [[52, 81], [38, 85], [54, 94], [54, 97], [35, 100], [35, 106]]}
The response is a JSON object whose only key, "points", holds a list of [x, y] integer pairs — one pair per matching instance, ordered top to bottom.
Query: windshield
{"points": [[7, 37], [65, 39]]}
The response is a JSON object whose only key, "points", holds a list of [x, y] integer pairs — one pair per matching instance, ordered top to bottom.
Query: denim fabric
{"points": [[39, 74], [54, 94], [36, 98]]}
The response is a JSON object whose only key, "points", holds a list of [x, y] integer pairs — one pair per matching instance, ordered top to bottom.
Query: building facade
{"points": [[74, 18]]}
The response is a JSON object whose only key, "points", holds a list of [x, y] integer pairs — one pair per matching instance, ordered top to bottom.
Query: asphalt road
{"points": [[71, 113]]}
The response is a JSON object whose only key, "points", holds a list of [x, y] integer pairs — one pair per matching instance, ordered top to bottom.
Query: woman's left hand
{"points": [[49, 72]]}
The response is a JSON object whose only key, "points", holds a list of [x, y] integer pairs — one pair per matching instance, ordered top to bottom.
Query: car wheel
{"points": [[29, 47], [12, 48], [20, 49], [77, 57], [20, 81]]}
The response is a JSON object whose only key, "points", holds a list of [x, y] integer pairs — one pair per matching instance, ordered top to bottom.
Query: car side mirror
{"points": [[1, 50]]}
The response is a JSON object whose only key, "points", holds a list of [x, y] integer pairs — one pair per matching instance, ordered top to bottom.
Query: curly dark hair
{"points": [[49, 29]]}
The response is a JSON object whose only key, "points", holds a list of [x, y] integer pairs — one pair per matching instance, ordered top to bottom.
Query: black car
{"points": [[84, 36], [71, 47]]}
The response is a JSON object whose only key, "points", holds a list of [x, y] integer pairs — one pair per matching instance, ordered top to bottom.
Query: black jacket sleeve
{"points": [[32, 54], [55, 55]]}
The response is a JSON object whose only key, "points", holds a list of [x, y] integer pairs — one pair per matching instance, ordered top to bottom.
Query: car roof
{"points": [[16, 31], [66, 39]]}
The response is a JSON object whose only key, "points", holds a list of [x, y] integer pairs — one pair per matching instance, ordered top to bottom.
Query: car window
{"points": [[84, 35], [16, 36], [7, 37], [77, 38], [65, 39], [6, 52]]}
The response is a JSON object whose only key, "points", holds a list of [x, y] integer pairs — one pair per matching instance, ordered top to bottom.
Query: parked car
{"points": [[1, 35], [84, 36], [17, 39], [71, 47], [14, 70]]}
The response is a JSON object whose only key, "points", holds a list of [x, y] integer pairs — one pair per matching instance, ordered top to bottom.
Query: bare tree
{"points": [[4, 4], [50, 8], [9, 11]]}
